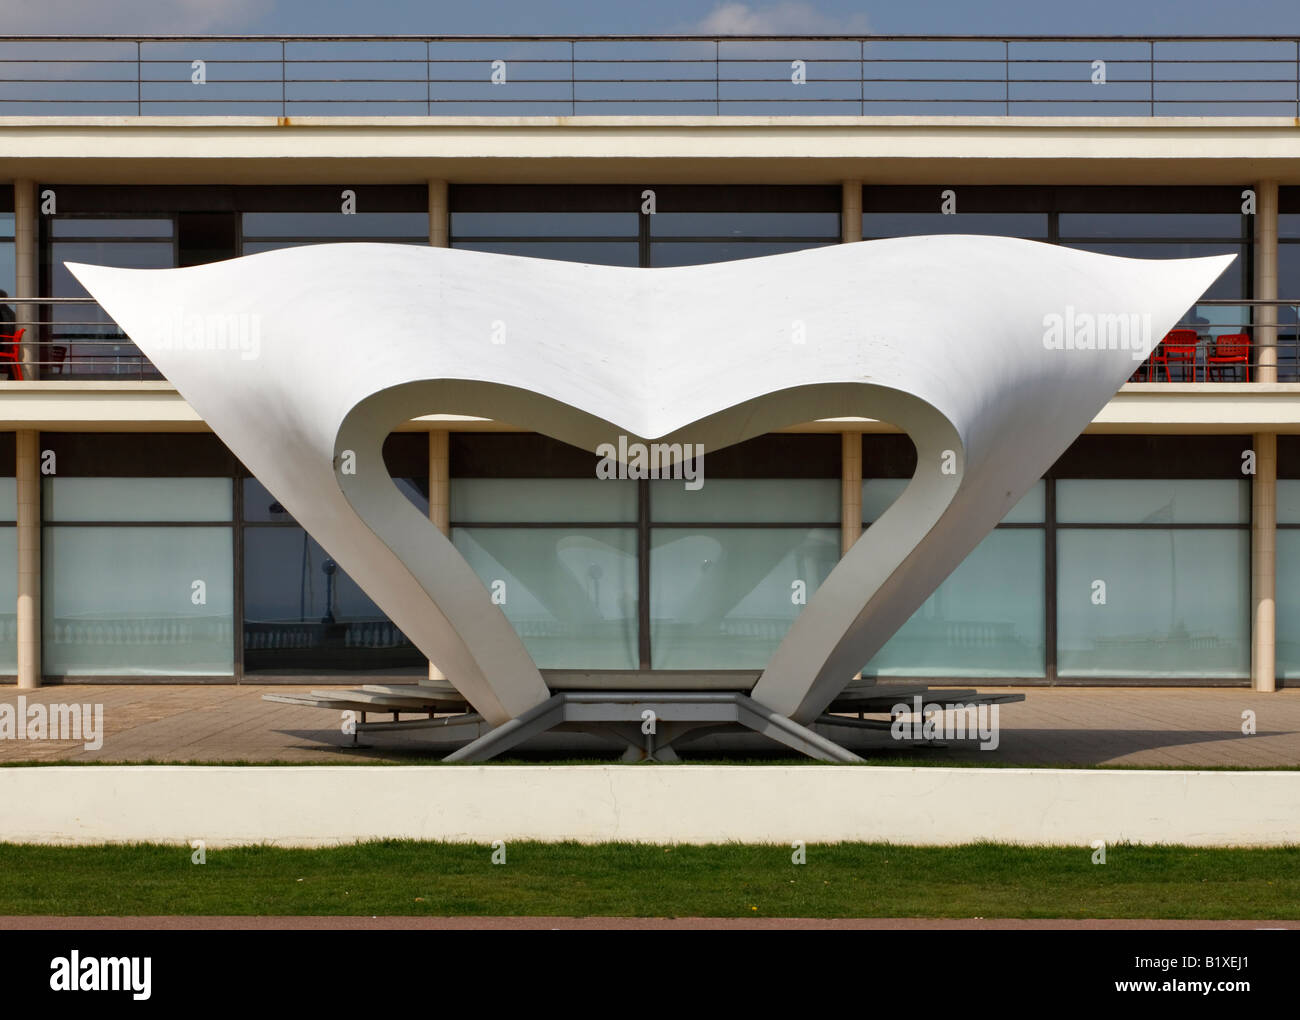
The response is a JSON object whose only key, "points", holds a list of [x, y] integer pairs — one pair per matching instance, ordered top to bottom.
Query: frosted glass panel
{"points": [[879, 493], [8, 499], [137, 499], [542, 500], [746, 500], [1152, 501], [1288, 501], [571, 595], [724, 598], [1288, 599], [8, 601], [119, 601], [1176, 603], [986, 619]]}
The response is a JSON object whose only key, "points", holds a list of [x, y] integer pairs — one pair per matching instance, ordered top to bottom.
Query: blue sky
{"points": [[939, 17]]}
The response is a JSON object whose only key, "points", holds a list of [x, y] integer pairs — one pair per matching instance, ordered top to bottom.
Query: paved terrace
{"points": [[1188, 728]]}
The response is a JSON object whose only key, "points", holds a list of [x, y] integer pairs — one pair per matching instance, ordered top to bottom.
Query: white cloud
{"points": [[124, 17], [792, 18]]}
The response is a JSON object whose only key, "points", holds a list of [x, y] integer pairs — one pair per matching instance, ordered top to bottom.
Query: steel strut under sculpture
{"points": [[953, 339]]}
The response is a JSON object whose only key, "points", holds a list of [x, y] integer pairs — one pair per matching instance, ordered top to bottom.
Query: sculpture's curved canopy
{"points": [[992, 353]]}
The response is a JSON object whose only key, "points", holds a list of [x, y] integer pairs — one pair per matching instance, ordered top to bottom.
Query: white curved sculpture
{"points": [[950, 338]]}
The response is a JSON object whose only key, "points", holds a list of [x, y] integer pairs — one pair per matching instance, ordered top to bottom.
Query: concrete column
{"points": [[851, 211], [439, 215], [27, 279], [1266, 280], [439, 460], [28, 476], [850, 489], [439, 498], [1263, 565]]}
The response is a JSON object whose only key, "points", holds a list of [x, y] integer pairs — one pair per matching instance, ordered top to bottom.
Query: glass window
{"points": [[544, 224], [903, 224], [1140, 224], [321, 225], [716, 225], [1288, 225], [110, 227], [596, 253], [697, 253], [8, 267], [1231, 284], [84, 341], [878, 494], [8, 499], [137, 499], [542, 500], [747, 500], [1152, 501], [1288, 501], [261, 507], [1288, 590], [570, 594], [723, 598], [8, 600], [128, 601], [1153, 602], [303, 614], [986, 620]]}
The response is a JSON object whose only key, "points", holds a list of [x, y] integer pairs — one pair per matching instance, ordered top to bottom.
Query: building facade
{"points": [[134, 547]]}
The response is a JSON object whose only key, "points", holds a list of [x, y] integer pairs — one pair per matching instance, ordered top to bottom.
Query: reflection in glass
{"points": [[543, 224], [903, 224], [1144, 224], [321, 225], [823, 226], [110, 227], [598, 253], [694, 253], [8, 266], [1228, 286], [84, 341], [878, 494], [137, 499], [543, 500], [747, 500], [1152, 501], [260, 506], [1288, 594], [571, 595], [723, 598], [8, 600], [122, 601], [1177, 603], [303, 613], [985, 620]]}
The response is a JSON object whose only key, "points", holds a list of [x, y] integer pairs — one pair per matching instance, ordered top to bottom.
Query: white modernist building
{"points": [[561, 264]]}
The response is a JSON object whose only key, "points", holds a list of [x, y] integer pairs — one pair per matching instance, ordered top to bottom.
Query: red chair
{"points": [[1178, 346], [1229, 349], [11, 351]]}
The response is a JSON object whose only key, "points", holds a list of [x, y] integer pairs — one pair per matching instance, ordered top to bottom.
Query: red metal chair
{"points": [[1178, 346], [1229, 349], [11, 351]]}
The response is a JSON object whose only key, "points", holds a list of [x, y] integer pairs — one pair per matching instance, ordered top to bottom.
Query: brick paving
{"points": [[1184, 727]]}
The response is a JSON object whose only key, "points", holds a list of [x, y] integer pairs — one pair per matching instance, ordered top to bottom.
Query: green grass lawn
{"points": [[730, 880]]}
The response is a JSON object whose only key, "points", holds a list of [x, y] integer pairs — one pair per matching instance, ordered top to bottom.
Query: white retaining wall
{"points": [[321, 805]]}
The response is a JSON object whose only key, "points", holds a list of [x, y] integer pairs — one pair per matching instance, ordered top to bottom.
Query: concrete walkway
{"points": [[1182, 727]]}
